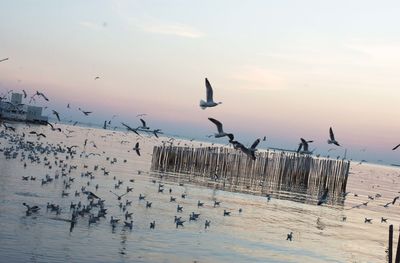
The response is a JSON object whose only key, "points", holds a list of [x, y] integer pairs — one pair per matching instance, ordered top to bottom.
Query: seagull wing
{"points": [[209, 91], [143, 123], [218, 124], [331, 135], [255, 143], [300, 146], [397, 146]]}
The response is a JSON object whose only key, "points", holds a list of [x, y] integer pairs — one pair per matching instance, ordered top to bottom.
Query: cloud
{"points": [[151, 24], [173, 29], [258, 78]]}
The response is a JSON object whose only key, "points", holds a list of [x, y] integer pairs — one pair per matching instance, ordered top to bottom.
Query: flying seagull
{"points": [[4, 59], [96, 77], [24, 93], [41, 95], [210, 101], [85, 112], [57, 115], [143, 125], [130, 129], [221, 132], [332, 138], [304, 144], [137, 149], [249, 151]]}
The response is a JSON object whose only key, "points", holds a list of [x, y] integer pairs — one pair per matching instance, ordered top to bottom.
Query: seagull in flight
{"points": [[4, 59], [96, 77], [24, 93], [40, 94], [210, 101], [85, 112], [57, 115], [143, 125], [130, 129], [221, 132], [332, 139], [304, 144], [137, 149], [249, 151], [118, 196]]}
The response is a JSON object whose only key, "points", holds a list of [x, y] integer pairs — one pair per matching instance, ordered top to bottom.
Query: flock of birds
{"points": [[92, 208]]}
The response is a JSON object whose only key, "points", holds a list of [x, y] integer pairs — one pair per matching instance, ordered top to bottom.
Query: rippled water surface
{"points": [[258, 234]]}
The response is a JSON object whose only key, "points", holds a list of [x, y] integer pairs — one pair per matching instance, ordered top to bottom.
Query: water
{"points": [[258, 234]]}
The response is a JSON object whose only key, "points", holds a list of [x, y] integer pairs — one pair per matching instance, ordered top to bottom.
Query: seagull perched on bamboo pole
{"points": [[210, 101], [332, 139]]}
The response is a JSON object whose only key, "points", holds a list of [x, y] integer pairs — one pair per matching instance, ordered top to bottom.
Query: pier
{"points": [[272, 173]]}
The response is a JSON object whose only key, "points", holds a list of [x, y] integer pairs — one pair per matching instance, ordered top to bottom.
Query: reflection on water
{"points": [[258, 234]]}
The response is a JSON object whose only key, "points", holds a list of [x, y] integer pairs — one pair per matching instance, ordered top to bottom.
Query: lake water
{"points": [[258, 234]]}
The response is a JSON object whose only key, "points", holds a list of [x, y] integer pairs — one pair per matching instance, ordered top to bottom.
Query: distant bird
{"points": [[4, 59], [96, 78], [24, 94], [41, 95], [210, 101], [68, 107], [85, 112], [57, 115], [105, 125], [8, 127], [130, 129], [221, 132], [38, 134], [332, 139], [397, 146], [137, 149], [118, 196], [324, 198], [394, 199], [31, 209], [226, 213], [368, 220], [383, 220], [129, 224], [207, 224], [152, 225], [289, 236]]}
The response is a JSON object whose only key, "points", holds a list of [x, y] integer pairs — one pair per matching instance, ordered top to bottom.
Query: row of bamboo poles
{"points": [[273, 172]]}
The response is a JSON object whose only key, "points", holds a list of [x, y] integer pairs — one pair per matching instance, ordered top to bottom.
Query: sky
{"points": [[282, 69]]}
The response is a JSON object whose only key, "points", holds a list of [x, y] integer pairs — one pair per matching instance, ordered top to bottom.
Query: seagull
{"points": [[4, 59], [96, 78], [24, 93], [40, 94], [210, 101], [85, 112], [57, 115], [105, 125], [143, 125], [130, 129], [221, 132], [332, 138], [304, 144], [137, 149], [249, 151], [118, 196], [324, 197], [30, 209], [207, 224], [152, 225], [289, 236]]}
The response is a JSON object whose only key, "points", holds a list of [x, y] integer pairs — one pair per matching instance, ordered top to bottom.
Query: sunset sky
{"points": [[283, 69]]}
